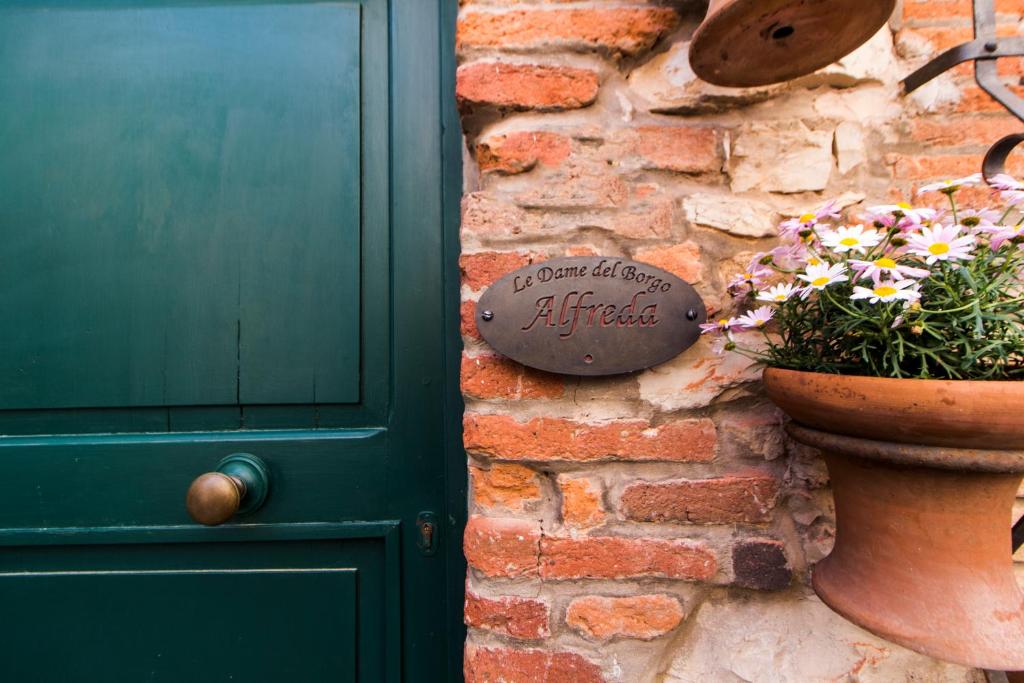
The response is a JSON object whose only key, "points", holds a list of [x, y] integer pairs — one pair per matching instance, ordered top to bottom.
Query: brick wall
{"points": [[657, 526]]}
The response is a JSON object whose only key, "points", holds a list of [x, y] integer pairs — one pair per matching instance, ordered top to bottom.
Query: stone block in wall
{"points": [[667, 85], [781, 156], [734, 215], [695, 378], [780, 638]]}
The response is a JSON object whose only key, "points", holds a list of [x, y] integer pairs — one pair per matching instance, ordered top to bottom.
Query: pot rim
{"points": [[875, 378], [968, 415], [995, 461]]}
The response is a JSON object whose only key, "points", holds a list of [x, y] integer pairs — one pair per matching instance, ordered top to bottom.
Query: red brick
{"points": [[953, 9], [619, 30], [944, 37], [521, 87], [974, 99], [962, 130], [683, 149], [520, 152], [945, 166], [967, 197], [682, 260], [482, 269], [467, 320], [495, 377], [550, 438], [505, 486], [723, 500], [581, 502], [496, 546], [609, 557], [761, 564], [510, 616], [644, 617], [502, 665]]}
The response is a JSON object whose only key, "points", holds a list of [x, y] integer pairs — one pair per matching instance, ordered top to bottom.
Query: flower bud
{"points": [[806, 233], [898, 241]]}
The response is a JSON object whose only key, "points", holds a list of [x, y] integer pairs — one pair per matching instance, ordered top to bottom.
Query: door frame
{"points": [[452, 145], [456, 474]]}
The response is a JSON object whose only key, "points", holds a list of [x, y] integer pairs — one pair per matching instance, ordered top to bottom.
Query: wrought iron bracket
{"points": [[984, 50]]}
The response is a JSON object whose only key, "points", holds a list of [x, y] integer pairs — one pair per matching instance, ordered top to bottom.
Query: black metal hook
{"points": [[984, 50]]}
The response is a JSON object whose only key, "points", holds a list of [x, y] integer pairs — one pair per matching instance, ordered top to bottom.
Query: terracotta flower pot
{"points": [[924, 474]]}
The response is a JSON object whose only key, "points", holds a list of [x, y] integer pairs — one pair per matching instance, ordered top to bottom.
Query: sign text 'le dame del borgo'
{"points": [[590, 315]]}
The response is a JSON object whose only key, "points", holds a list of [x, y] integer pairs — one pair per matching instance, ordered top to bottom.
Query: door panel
{"points": [[180, 204], [221, 231], [140, 480], [306, 602], [183, 625]]}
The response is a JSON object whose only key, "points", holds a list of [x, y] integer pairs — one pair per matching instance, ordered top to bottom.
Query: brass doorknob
{"points": [[238, 485], [214, 498]]}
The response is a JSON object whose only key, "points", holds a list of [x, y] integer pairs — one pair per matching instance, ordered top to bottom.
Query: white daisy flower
{"points": [[1005, 181], [949, 186], [881, 213], [979, 221], [1002, 233], [851, 238], [941, 243], [885, 266], [822, 275], [888, 291], [777, 293], [758, 317], [725, 325]]}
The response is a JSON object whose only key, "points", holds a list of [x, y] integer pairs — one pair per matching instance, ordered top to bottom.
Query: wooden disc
{"points": [[744, 43]]}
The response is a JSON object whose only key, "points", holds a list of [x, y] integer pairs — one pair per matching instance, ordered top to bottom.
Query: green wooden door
{"points": [[221, 231]]}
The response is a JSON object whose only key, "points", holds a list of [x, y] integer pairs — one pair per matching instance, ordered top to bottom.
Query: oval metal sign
{"points": [[590, 315]]}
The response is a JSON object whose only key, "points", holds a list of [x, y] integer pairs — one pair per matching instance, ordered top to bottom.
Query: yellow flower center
{"points": [[904, 205], [807, 218], [849, 241], [939, 248], [813, 261], [885, 262], [748, 276], [819, 281], [885, 290], [780, 297], [723, 322]]}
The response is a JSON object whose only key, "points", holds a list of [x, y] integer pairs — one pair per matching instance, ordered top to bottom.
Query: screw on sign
{"points": [[590, 315]]}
